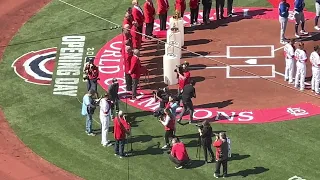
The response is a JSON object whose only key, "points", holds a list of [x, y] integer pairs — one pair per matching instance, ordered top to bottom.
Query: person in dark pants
{"points": [[163, 7], [229, 8], [194, 9], [219, 9], [206, 10], [149, 13], [135, 72], [93, 77], [188, 93], [113, 95], [169, 122], [121, 128], [206, 140], [222, 149], [179, 154]]}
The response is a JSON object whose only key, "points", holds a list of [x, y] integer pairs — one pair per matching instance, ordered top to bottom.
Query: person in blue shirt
{"points": [[299, 17], [283, 19], [316, 19], [88, 110]]}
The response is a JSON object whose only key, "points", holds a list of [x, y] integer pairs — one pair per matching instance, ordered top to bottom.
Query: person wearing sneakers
{"points": [[194, 10], [149, 15], [299, 17], [283, 19], [316, 19], [301, 58], [289, 60], [315, 61], [135, 72], [113, 91], [88, 108], [105, 116], [168, 121], [121, 129], [222, 147], [179, 154]]}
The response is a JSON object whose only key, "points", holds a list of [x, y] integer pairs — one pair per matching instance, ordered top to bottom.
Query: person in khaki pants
{"points": [[283, 19]]}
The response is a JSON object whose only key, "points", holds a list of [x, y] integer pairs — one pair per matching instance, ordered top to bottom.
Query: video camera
{"points": [[181, 67]]}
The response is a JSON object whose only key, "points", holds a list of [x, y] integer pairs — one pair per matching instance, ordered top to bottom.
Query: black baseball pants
{"points": [[219, 9], [206, 12], [163, 21], [149, 28], [128, 82], [187, 106]]}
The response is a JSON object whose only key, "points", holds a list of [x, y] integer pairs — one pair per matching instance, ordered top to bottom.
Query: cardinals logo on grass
{"points": [[36, 67]]}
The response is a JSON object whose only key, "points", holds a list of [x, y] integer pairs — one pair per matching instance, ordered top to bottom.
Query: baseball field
{"points": [[43, 133]]}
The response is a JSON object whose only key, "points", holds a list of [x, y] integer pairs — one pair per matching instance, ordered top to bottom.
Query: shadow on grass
{"points": [[143, 138], [151, 150], [236, 157], [195, 164], [247, 172]]}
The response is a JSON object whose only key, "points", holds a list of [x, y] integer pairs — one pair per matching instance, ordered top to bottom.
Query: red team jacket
{"points": [[194, 4], [163, 6], [180, 6], [149, 12], [138, 15], [127, 21], [136, 37], [126, 59], [135, 67], [183, 82], [120, 134], [179, 151]]}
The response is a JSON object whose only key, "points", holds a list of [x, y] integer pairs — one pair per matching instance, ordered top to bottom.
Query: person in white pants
{"points": [[301, 58], [289, 60], [315, 61], [105, 115]]}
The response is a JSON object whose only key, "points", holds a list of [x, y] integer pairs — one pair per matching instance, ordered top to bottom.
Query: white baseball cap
{"points": [[120, 113]]}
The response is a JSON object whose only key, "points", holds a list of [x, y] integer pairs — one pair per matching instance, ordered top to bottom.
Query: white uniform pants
{"points": [[289, 69], [300, 75], [315, 79], [104, 129]]}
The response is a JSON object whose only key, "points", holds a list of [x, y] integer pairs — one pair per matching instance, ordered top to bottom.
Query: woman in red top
{"points": [[180, 6], [194, 9], [149, 13], [169, 122], [121, 128]]}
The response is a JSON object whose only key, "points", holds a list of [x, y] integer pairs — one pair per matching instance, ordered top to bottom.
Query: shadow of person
{"points": [[218, 105], [143, 138], [151, 150], [236, 157], [195, 164], [247, 172]]}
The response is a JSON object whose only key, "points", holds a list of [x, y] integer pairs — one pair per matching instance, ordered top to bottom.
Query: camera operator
{"points": [[92, 73], [183, 75], [188, 93], [113, 95], [163, 96], [173, 106], [88, 108], [168, 121], [121, 129], [205, 131], [222, 147], [179, 154]]}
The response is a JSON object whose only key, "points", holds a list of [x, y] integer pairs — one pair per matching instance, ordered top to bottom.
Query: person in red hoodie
{"points": [[180, 6], [163, 7], [194, 9], [149, 13], [138, 15], [135, 72], [169, 123], [121, 128], [179, 154]]}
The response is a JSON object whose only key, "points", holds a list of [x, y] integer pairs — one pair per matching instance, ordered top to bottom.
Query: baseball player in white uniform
{"points": [[301, 58], [289, 60], [315, 61], [105, 115]]}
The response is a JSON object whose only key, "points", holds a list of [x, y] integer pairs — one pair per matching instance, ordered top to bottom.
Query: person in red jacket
{"points": [[180, 6], [163, 7], [194, 9], [149, 13], [138, 15], [128, 19], [136, 37], [126, 53], [135, 72], [169, 123], [121, 128], [222, 148], [179, 154]]}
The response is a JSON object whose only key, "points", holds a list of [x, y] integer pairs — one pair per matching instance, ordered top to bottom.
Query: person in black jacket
{"points": [[219, 9], [206, 10], [113, 95], [206, 140]]}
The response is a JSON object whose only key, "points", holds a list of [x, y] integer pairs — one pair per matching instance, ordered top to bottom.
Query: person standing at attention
{"points": [[180, 6], [163, 7], [220, 9], [194, 10], [206, 11], [149, 13], [138, 15], [299, 17], [283, 19], [316, 19], [301, 57], [289, 61], [315, 62], [135, 72], [88, 108], [105, 113]]}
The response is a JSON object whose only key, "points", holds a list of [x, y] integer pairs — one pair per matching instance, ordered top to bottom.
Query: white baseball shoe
{"points": [[316, 28], [304, 32], [297, 35], [283, 42]]}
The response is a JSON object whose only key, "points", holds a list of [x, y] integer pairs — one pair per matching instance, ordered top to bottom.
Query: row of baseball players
{"points": [[299, 18], [299, 55]]}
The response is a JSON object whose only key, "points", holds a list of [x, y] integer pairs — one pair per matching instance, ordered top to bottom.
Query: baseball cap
{"points": [[120, 113]]}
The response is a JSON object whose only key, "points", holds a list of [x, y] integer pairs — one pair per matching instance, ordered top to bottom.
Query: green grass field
{"points": [[54, 129]]}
